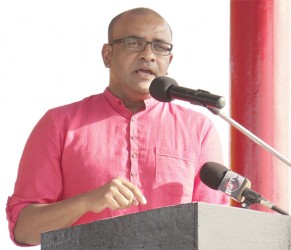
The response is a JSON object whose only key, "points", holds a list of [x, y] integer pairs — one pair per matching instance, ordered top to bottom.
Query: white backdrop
{"points": [[50, 55]]}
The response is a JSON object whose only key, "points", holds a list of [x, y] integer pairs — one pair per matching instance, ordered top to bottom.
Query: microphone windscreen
{"points": [[159, 88], [212, 174]]}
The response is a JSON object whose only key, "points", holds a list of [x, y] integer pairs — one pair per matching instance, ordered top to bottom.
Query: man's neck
{"points": [[134, 107]]}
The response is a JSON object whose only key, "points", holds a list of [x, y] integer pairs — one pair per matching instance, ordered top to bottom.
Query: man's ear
{"points": [[106, 55], [170, 60]]}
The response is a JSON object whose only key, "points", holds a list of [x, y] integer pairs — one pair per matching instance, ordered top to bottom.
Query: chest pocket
{"points": [[174, 166]]}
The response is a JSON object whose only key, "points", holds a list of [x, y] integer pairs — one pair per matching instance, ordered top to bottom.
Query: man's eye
{"points": [[134, 43], [161, 47]]}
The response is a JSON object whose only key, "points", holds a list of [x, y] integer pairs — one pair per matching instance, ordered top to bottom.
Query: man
{"points": [[118, 152]]}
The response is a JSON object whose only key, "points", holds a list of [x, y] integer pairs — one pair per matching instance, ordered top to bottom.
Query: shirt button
{"points": [[132, 137], [133, 155], [133, 174]]}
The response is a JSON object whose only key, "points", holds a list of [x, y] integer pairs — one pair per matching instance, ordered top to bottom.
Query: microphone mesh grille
{"points": [[159, 88], [212, 173]]}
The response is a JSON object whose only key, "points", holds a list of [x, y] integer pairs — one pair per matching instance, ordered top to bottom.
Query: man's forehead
{"points": [[131, 24]]}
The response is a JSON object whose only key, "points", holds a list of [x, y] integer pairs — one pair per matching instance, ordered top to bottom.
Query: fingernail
{"points": [[144, 200]]}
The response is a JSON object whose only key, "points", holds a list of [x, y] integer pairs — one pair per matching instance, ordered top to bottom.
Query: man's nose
{"points": [[147, 54]]}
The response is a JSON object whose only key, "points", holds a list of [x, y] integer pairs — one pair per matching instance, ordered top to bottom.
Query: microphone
{"points": [[166, 89], [218, 177]]}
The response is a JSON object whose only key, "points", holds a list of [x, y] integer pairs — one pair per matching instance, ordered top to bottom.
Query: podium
{"points": [[197, 226]]}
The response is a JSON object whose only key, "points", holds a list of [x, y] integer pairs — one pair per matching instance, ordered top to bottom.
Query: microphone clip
{"points": [[251, 198]]}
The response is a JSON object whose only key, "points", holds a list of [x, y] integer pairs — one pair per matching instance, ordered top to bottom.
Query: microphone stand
{"points": [[249, 134], [250, 196]]}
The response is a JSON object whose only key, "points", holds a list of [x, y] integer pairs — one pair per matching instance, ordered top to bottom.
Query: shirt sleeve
{"points": [[210, 151], [39, 175]]}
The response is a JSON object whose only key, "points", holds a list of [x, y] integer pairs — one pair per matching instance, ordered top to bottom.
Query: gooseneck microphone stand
{"points": [[249, 134], [250, 196]]}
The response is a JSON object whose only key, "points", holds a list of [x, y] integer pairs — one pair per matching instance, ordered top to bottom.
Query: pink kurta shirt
{"points": [[81, 146]]}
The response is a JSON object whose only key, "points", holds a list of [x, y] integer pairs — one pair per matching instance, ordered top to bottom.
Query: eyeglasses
{"points": [[139, 44]]}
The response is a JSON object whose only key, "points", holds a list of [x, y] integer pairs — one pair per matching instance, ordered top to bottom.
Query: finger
{"points": [[127, 193], [137, 194], [113, 198], [128, 198], [122, 201], [135, 202], [114, 204]]}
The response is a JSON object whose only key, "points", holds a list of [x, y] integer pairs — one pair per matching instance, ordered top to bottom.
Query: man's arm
{"points": [[37, 218]]}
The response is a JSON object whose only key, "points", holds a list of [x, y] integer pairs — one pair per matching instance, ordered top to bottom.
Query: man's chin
{"points": [[143, 87], [143, 93]]}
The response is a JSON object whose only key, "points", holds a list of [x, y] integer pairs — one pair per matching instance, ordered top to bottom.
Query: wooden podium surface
{"points": [[189, 226]]}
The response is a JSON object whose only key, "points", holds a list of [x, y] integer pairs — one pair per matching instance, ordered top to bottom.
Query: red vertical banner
{"points": [[259, 59]]}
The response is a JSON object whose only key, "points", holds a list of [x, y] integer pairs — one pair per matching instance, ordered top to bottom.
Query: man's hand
{"points": [[116, 194], [37, 218]]}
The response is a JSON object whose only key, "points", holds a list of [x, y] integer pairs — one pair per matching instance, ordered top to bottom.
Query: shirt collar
{"points": [[117, 103]]}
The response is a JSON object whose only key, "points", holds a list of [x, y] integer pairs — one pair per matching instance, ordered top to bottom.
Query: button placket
{"points": [[133, 149]]}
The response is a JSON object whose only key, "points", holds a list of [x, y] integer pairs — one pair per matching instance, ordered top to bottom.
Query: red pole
{"points": [[259, 94]]}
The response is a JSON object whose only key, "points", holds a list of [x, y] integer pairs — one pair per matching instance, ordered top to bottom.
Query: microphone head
{"points": [[159, 88], [212, 174]]}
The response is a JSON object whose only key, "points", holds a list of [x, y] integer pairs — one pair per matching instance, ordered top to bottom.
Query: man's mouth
{"points": [[145, 72]]}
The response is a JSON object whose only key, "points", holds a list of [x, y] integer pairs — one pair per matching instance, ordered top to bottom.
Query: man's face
{"points": [[131, 72]]}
